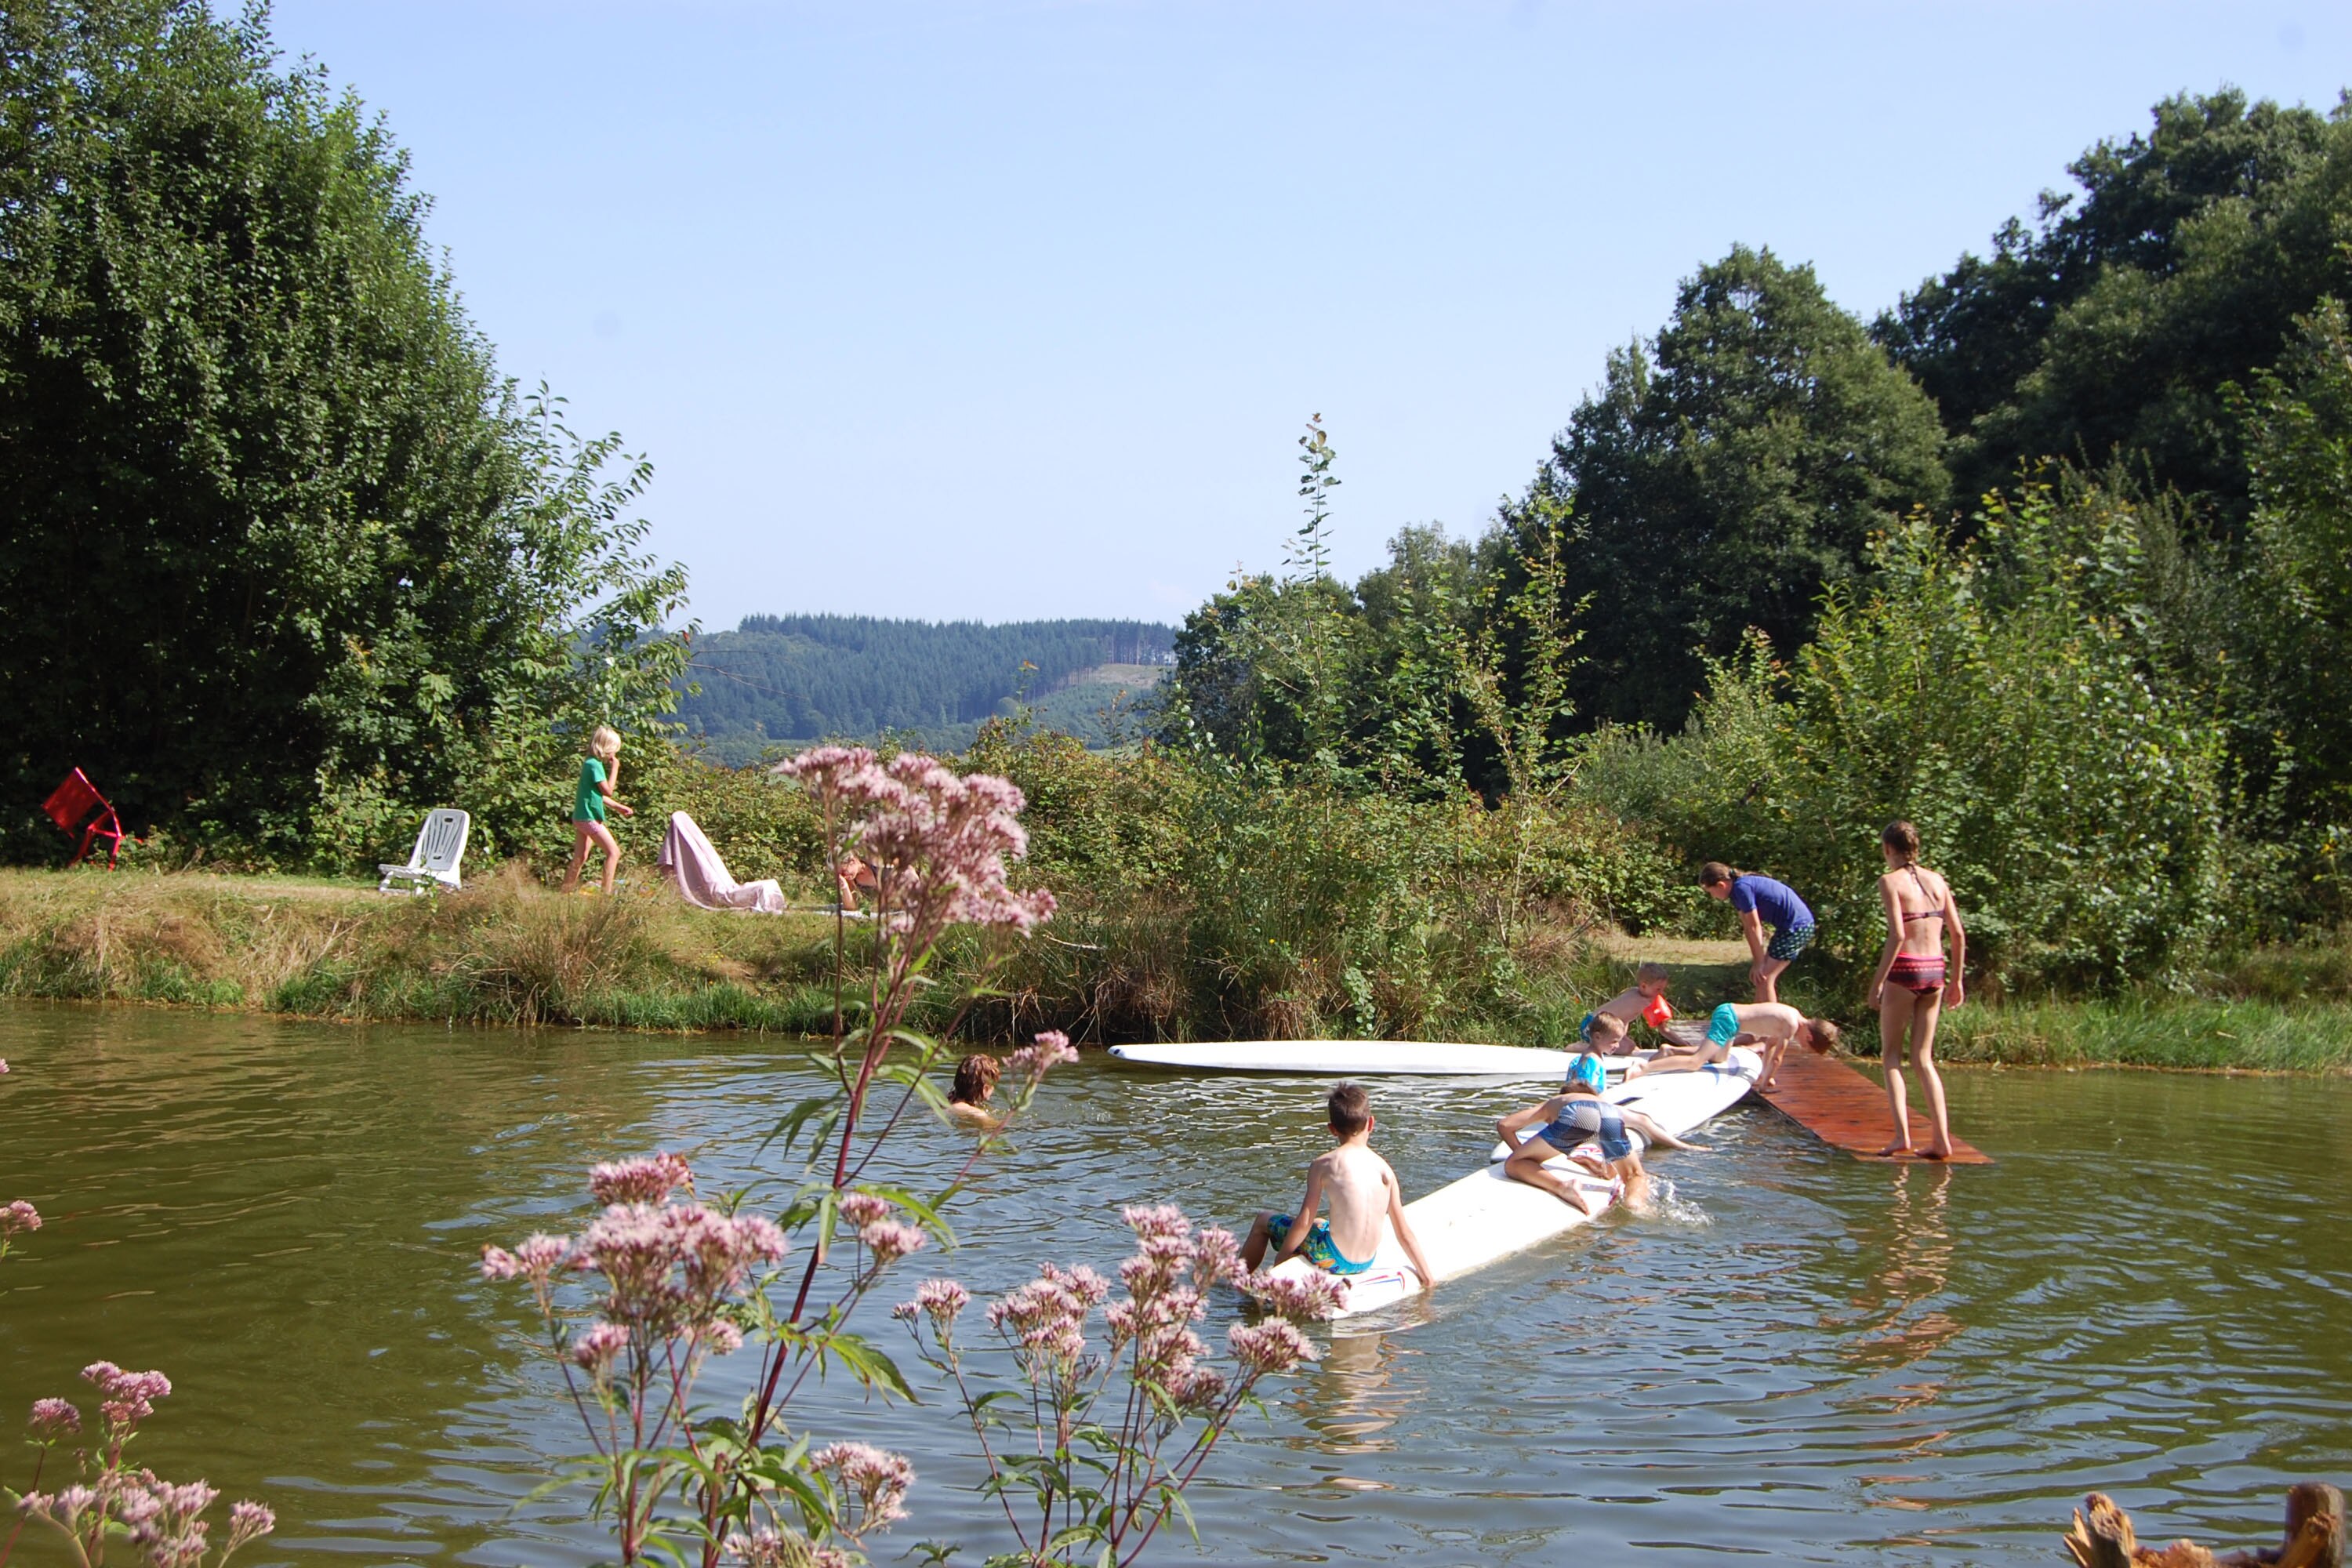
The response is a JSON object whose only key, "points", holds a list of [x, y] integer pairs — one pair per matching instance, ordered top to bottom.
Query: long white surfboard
{"points": [[1354, 1058], [1486, 1216]]}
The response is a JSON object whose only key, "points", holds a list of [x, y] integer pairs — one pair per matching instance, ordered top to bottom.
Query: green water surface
{"points": [[1801, 1357]]}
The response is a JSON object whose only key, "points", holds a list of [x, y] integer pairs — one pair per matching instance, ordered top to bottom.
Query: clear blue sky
{"points": [[1012, 309]]}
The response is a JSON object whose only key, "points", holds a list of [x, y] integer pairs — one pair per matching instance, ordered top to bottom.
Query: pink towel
{"points": [[700, 875]]}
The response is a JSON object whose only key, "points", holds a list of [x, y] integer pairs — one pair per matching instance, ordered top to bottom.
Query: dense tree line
{"points": [[2050, 556], [285, 559], [803, 677]]}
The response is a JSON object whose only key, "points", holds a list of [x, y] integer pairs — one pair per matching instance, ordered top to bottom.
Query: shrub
{"points": [[1989, 694]]}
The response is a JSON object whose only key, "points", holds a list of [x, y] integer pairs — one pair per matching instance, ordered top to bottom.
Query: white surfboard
{"points": [[1355, 1058], [1487, 1217]]}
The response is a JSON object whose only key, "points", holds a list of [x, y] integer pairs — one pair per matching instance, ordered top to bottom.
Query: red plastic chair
{"points": [[78, 808]]}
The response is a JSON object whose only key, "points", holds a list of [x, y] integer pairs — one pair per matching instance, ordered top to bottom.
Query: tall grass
{"points": [[504, 951]]}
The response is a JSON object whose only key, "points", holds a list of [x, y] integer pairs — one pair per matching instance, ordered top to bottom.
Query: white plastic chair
{"points": [[440, 845]]}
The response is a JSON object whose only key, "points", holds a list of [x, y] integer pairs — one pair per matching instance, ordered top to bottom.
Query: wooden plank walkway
{"points": [[1847, 1110]]}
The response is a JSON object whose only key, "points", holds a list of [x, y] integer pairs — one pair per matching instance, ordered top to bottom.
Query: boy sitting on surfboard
{"points": [[1770, 1026], [1362, 1191]]}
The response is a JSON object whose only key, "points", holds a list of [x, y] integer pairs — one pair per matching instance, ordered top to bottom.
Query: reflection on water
{"points": [[1800, 1355]]}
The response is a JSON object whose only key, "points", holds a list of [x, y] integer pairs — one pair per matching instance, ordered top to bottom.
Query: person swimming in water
{"points": [[975, 1080], [1362, 1192]]}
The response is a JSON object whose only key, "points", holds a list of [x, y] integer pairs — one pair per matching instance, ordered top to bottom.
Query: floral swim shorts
{"points": [[1318, 1248]]}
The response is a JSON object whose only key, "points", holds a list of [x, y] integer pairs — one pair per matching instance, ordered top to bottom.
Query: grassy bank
{"points": [[508, 950], [504, 951]]}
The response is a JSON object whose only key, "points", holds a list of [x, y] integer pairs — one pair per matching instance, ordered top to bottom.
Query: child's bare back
{"points": [[1359, 1185]]}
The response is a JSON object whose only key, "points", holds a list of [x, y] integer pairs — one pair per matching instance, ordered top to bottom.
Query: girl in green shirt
{"points": [[600, 777]]}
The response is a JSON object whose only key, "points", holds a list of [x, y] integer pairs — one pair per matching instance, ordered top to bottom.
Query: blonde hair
{"points": [[605, 742], [1606, 1024]]}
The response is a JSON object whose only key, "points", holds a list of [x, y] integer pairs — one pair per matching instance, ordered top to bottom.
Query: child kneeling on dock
{"points": [[1580, 1124], [1362, 1191]]}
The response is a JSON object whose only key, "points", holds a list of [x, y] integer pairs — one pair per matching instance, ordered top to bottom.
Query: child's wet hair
{"points": [[1648, 972], [1606, 1026], [1826, 1036], [975, 1079], [1350, 1109]]}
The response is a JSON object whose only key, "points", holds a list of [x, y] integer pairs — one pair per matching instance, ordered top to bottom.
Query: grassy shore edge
{"points": [[507, 951]]}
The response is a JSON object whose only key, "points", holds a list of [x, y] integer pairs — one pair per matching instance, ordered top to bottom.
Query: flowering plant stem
{"points": [[680, 1281], [1088, 1491]]}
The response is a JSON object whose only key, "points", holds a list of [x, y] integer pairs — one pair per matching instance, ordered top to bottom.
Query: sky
{"points": [[1015, 310]]}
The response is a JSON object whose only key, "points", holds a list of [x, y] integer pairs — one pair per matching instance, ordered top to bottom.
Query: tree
{"points": [[2115, 321], [1726, 472], [283, 555], [2296, 597]]}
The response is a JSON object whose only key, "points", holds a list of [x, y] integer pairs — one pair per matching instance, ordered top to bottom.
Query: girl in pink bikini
{"points": [[1915, 982]]}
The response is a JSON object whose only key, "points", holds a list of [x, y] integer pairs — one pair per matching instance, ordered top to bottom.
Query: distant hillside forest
{"points": [[788, 678]]}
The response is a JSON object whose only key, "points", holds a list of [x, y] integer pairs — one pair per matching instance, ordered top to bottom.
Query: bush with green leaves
{"points": [[1988, 693]]}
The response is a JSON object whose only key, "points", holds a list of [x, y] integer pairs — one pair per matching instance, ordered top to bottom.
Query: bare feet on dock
{"points": [[1898, 1151]]}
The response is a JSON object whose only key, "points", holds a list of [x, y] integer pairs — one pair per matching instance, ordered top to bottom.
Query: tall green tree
{"points": [[2110, 325], [1726, 472], [283, 555]]}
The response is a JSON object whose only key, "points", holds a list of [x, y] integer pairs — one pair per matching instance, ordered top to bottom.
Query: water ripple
{"points": [[1800, 1356]]}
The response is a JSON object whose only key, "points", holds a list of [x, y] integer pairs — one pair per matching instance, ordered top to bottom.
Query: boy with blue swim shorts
{"points": [[1770, 1026], [1576, 1121], [1362, 1192]]}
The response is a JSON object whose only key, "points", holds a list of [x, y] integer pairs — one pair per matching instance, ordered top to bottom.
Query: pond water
{"points": [[1803, 1357]]}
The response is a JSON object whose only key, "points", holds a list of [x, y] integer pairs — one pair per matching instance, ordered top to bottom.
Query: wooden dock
{"points": [[1847, 1110]]}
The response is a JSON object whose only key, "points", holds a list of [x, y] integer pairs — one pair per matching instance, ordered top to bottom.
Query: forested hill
{"points": [[785, 679]]}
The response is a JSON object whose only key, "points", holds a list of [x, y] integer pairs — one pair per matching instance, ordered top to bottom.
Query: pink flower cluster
{"points": [[938, 844], [1031, 1062], [646, 1181], [862, 1209], [20, 1216], [887, 1237], [669, 1265], [669, 1269], [1167, 1280], [943, 1300], [1309, 1300], [1047, 1318], [1274, 1346], [596, 1347], [129, 1397], [53, 1419], [876, 1477], [164, 1522], [778, 1548]]}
